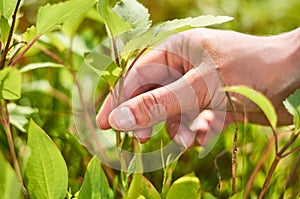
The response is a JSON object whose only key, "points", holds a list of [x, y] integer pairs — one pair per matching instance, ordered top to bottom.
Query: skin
{"points": [[181, 81]]}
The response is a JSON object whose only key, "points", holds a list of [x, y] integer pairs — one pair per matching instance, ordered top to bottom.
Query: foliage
{"points": [[43, 157]]}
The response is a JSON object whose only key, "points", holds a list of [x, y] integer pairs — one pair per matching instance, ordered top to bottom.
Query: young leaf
{"points": [[7, 8], [134, 13], [50, 16], [114, 23], [187, 23], [4, 29], [158, 34], [34, 66], [10, 84], [259, 99], [292, 104], [19, 115], [46, 173], [9, 184], [95, 184], [141, 186], [187, 186]]}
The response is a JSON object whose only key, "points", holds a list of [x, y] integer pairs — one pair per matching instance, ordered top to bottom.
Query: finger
{"points": [[150, 72], [147, 109], [179, 132], [143, 135]]}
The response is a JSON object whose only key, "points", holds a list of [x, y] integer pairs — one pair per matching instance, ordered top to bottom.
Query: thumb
{"points": [[157, 105]]}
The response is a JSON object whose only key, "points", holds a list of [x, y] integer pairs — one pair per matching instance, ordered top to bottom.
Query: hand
{"points": [[184, 77]]}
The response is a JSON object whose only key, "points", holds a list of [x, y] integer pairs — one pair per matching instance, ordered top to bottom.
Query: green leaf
{"points": [[7, 8], [134, 13], [51, 16], [114, 23], [187, 23], [4, 29], [30, 34], [158, 34], [34, 66], [10, 83], [259, 99], [292, 104], [19, 115], [46, 173], [9, 184], [95, 184], [141, 187], [187, 187], [208, 196]]}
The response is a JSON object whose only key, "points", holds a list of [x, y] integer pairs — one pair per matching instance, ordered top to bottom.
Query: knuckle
{"points": [[143, 109]]}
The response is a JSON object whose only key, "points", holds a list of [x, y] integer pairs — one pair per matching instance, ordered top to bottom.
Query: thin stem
{"points": [[11, 31], [24, 51], [52, 55], [6, 126], [235, 137], [275, 140], [291, 151], [275, 162], [217, 167], [256, 170], [268, 179]]}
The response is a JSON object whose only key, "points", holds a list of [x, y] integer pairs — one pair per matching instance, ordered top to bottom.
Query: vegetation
{"points": [[54, 75]]}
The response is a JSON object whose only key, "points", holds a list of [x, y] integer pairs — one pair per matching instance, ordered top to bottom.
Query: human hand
{"points": [[184, 77]]}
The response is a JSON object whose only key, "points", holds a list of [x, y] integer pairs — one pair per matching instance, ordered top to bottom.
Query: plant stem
{"points": [[11, 31], [24, 51], [6, 126], [235, 137], [275, 162], [260, 163], [217, 167], [268, 179]]}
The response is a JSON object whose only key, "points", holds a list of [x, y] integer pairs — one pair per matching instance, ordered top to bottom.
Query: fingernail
{"points": [[122, 118]]}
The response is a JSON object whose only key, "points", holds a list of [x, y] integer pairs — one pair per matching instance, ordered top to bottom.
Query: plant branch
{"points": [[11, 31], [25, 51], [6, 126], [235, 137], [275, 140], [291, 151], [275, 162], [259, 165], [217, 167]]}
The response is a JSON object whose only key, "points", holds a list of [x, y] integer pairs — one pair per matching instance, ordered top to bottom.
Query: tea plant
{"points": [[41, 156]]}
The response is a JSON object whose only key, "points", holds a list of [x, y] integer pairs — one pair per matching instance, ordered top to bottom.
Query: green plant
{"points": [[38, 71]]}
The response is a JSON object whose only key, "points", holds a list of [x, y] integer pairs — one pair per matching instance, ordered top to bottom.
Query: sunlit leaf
{"points": [[7, 8], [134, 13], [50, 16], [201, 21], [114, 23], [4, 29], [160, 33], [30, 34], [34, 66], [10, 84], [259, 99], [292, 104], [19, 115], [46, 172], [9, 184], [95, 184], [187, 186], [141, 187]]}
